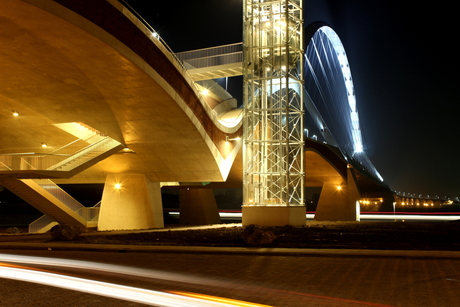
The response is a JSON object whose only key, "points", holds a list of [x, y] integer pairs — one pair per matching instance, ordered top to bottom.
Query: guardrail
{"points": [[214, 56], [180, 64], [59, 193], [87, 213], [40, 223]]}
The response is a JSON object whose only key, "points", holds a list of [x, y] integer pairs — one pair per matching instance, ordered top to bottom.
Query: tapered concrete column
{"points": [[338, 201], [135, 204], [333, 204], [198, 207]]}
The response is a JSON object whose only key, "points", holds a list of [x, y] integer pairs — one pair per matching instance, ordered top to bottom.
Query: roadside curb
{"points": [[60, 246]]}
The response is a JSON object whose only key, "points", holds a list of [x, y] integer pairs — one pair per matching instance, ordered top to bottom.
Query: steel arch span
{"points": [[332, 112]]}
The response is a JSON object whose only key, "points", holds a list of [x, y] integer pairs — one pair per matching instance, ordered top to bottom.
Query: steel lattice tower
{"points": [[273, 158]]}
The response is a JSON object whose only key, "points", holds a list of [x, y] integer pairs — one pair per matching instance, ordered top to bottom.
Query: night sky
{"points": [[404, 61]]}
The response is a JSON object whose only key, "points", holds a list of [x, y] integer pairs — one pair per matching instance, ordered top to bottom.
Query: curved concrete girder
{"points": [[106, 73], [322, 164], [319, 170]]}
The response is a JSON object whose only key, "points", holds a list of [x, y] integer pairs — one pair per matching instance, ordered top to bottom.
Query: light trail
{"points": [[390, 216], [410, 217], [111, 268], [139, 295], [149, 297], [219, 299]]}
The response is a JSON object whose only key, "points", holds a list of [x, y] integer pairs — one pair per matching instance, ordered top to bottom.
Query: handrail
{"points": [[150, 28], [223, 46], [232, 49], [214, 56], [193, 84], [86, 137], [90, 145], [65, 146], [80, 153], [53, 160], [28, 163], [4, 165], [59, 193], [87, 213], [40, 223]]}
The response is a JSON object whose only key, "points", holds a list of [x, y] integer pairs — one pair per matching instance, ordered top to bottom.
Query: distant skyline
{"points": [[403, 62]]}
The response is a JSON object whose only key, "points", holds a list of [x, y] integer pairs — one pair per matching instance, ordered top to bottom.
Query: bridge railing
{"points": [[155, 34], [214, 56], [178, 62]]}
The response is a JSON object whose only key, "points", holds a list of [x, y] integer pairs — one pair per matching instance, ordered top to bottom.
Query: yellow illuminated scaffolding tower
{"points": [[273, 158]]}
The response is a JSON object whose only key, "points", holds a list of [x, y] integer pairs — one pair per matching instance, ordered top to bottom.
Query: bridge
{"points": [[91, 94]]}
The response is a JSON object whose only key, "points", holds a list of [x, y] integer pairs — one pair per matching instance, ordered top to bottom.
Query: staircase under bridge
{"points": [[27, 175]]}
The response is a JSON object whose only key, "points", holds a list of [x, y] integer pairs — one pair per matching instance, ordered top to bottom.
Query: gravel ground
{"points": [[347, 235]]}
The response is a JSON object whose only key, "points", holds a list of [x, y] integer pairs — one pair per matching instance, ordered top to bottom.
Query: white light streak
{"points": [[377, 216], [103, 267], [139, 295]]}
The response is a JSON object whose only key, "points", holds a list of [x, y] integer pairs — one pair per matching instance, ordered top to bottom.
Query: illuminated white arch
{"points": [[343, 60], [326, 67]]}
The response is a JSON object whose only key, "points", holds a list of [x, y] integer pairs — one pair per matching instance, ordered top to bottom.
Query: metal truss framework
{"points": [[273, 159]]}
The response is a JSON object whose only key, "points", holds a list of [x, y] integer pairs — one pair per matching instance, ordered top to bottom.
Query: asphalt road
{"points": [[276, 280]]}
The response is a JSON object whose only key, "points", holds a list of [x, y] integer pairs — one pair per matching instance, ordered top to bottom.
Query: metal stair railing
{"points": [[214, 56], [85, 154], [56, 161], [45, 162], [5, 163], [59, 193], [87, 213], [90, 213], [40, 223]]}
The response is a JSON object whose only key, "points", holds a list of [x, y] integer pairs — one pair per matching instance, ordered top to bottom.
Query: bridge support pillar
{"points": [[130, 201], [339, 202], [198, 207], [274, 215]]}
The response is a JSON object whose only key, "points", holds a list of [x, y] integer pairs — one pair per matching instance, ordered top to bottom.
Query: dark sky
{"points": [[404, 61]]}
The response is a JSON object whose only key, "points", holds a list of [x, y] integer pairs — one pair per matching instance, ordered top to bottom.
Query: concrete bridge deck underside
{"points": [[64, 62]]}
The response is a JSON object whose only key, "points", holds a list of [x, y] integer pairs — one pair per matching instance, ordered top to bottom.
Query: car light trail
{"points": [[377, 216], [410, 217], [119, 269], [13, 270], [105, 289], [144, 296], [219, 299]]}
